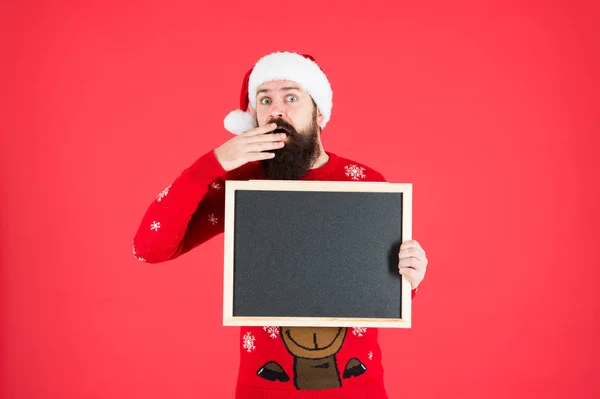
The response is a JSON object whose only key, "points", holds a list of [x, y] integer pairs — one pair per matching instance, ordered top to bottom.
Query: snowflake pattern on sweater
{"points": [[355, 172], [163, 194], [272, 331], [359, 331], [248, 342]]}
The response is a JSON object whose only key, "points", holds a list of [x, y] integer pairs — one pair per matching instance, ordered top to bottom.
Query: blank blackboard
{"points": [[306, 253]]}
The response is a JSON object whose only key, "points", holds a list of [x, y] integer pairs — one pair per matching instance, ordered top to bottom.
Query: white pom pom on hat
{"points": [[299, 68], [238, 121]]}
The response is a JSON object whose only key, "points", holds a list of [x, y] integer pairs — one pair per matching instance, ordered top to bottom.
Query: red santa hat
{"points": [[299, 68]]}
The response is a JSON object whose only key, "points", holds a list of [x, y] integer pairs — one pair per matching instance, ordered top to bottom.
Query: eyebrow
{"points": [[282, 89]]}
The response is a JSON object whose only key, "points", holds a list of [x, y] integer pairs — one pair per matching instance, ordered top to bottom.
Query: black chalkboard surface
{"points": [[314, 253]]}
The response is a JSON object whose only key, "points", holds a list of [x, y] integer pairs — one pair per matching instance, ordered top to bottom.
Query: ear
{"points": [[320, 117]]}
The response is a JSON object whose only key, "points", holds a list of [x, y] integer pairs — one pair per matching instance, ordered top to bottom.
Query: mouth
{"points": [[281, 130]]}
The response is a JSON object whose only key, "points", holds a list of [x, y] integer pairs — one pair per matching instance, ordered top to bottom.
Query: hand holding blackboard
{"points": [[316, 253], [412, 262]]}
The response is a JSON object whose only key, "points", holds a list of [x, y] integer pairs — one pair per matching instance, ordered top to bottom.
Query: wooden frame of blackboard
{"points": [[229, 319]]}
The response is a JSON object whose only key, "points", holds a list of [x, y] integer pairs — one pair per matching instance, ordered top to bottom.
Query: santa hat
{"points": [[299, 68]]}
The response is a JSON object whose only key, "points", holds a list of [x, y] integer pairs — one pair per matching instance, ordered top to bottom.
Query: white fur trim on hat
{"points": [[294, 67], [238, 122]]}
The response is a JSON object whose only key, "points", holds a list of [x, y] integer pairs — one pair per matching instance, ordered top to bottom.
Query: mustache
{"points": [[283, 125]]}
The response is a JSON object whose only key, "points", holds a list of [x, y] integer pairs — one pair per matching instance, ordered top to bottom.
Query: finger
{"points": [[260, 130], [266, 137], [259, 147], [258, 156], [410, 244], [410, 253], [418, 262], [413, 263], [410, 274]]}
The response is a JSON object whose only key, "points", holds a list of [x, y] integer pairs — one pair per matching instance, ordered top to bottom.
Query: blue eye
{"points": [[292, 97], [265, 101]]}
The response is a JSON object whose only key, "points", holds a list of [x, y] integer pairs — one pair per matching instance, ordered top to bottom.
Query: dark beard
{"points": [[295, 159]]}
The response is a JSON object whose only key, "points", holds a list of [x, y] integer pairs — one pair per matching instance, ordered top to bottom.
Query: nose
{"points": [[276, 110]]}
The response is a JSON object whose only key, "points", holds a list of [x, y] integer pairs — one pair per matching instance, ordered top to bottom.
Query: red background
{"points": [[489, 108]]}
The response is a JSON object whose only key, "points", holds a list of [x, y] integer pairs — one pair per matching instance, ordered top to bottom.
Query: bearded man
{"points": [[285, 104]]}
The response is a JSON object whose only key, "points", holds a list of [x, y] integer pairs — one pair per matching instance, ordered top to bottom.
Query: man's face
{"points": [[288, 105]]}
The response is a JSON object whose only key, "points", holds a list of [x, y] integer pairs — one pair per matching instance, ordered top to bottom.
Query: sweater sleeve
{"points": [[184, 215]]}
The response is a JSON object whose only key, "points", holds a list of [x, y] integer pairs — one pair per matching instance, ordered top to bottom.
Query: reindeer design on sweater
{"points": [[314, 350]]}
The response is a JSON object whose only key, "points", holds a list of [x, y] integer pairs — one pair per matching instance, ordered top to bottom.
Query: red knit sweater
{"points": [[191, 211]]}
